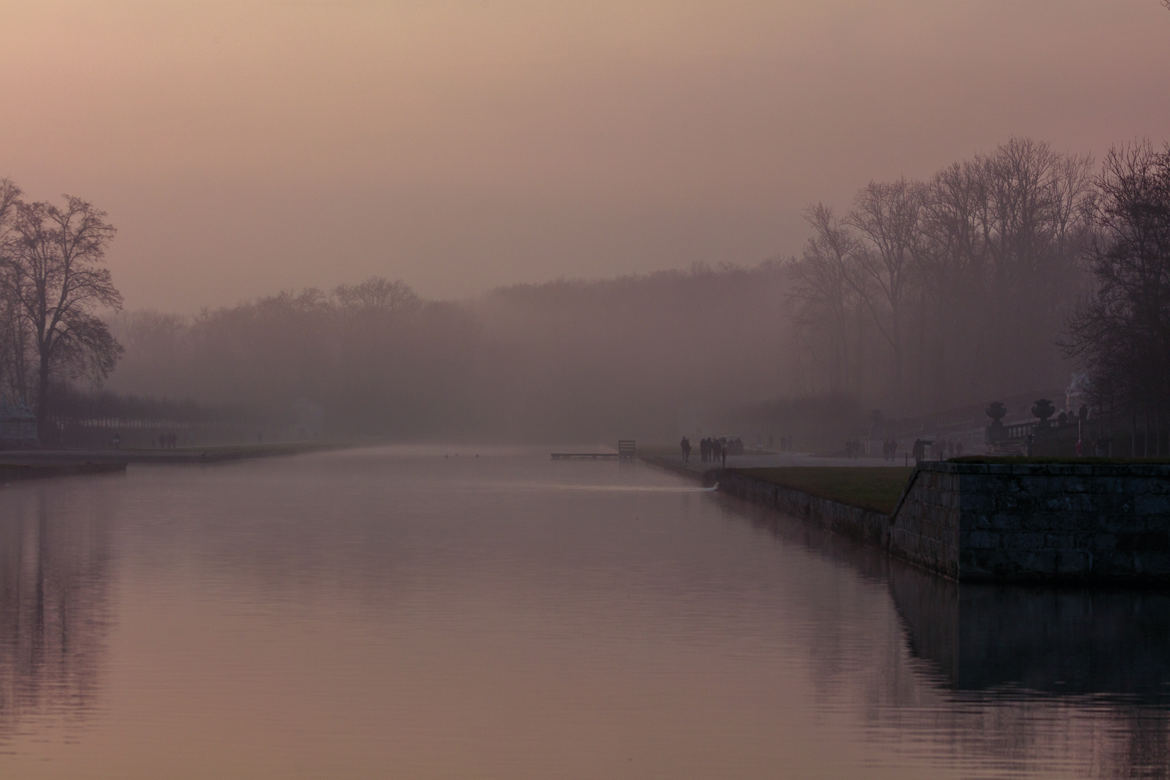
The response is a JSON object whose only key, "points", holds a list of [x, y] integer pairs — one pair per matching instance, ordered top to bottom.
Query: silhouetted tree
{"points": [[887, 217], [54, 278], [825, 291], [1122, 330]]}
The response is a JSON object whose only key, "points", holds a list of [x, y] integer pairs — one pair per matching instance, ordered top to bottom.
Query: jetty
{"points": [[627, 450]]}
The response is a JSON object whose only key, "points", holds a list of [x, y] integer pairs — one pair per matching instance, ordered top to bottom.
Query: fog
{"points": [[249, 147], [550, 221]]}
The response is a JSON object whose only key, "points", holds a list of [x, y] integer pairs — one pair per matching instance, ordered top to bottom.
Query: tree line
{"points": [[999, 275], [950, 288], [570, 358]]}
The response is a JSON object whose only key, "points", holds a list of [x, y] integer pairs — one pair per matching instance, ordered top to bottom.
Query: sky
{"points": [[244, 147]]}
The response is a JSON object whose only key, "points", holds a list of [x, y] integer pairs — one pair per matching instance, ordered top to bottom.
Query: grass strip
{"points": [[877, 488]]}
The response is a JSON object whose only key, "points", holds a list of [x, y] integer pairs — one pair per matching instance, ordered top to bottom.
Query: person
{"points": [[686, 449]]}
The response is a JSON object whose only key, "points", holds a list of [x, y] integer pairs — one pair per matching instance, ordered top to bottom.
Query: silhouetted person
{"points": [[685, 445]]}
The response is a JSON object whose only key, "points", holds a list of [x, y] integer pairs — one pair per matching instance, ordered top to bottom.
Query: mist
{"points": [[248, 148]]}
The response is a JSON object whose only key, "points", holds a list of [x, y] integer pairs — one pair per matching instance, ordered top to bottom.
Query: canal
{"points": [[443, 612]]}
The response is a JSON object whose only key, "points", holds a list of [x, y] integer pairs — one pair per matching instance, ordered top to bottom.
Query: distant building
{"points": [[18, 425]]}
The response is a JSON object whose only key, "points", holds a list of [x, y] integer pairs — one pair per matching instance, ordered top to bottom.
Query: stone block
{"points": [[976, 502], [1059, 503], [1152, 504], [981, 520], [1004, 521], [1042, 522], [981, 540], [1024, 541], [1104, 543], [1034, 562], [1073, 562], [983, 564], [1152, 564]]}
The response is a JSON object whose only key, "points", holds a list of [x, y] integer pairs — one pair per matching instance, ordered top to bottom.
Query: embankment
{"points": [[164, 456], [13, 472], [1033, 522]]}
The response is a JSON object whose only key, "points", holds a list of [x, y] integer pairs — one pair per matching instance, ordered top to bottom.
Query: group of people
{"points": [[168, 441], [712, 450]]}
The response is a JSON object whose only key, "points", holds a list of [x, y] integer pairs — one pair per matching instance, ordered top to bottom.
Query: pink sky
{"points": [[248, 146]]}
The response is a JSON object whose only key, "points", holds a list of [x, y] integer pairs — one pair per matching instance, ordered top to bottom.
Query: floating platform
{"points": [[627, 450], [585, 455]]}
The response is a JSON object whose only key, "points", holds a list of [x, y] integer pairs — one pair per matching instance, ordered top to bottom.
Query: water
{"points": [[398, 613]]}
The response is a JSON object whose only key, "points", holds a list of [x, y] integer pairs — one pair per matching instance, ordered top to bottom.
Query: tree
{"points": [[887, 215], [52, 274], [824, 289], [377, 293], [1122, 330], [11, 331]]}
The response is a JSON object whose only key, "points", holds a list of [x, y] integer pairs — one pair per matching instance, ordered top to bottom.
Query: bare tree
{"points": [[887, 215], [54, 276], [824, 290], [377, 293], [1122, 331], [11, 332]]}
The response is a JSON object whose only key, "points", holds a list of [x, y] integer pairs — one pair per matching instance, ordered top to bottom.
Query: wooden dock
{"points": [[627, 450], [584, 456]]}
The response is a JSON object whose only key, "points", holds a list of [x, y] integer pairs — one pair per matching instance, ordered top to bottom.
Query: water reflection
{"points": [[54, 609], [375, 614], [1110, 644], [1035, 680]]}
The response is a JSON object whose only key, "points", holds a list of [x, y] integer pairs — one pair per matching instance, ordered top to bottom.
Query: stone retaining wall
{"points": [[1094, 522], [1080, 523], [864, 525], [924, 528]]}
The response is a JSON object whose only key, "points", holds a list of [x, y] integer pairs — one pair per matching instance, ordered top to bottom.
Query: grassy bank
{"points": [[876, 488]]}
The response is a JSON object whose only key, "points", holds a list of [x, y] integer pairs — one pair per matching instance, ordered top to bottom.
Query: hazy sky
{"points": [[247, 146]]}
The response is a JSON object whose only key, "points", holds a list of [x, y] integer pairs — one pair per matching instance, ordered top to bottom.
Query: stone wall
{"points": [[1037, 522], [1081, 523], [864, 525], [924, 528]]}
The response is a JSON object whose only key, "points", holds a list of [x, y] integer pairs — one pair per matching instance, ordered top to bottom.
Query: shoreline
{"points": [[63, 460], [19, 472], [1077, 524]]}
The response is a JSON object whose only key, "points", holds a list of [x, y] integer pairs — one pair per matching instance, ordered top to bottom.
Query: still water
{"points": [[427, 613]]}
